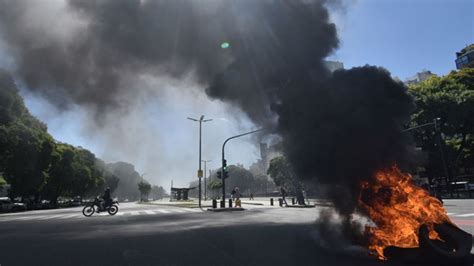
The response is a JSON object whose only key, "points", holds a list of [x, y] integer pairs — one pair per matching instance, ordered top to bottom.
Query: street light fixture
{"points": [[201, 120], [205, 175]]}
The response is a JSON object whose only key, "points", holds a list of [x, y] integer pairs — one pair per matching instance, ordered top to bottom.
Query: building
{"points": [[465, 58], [333, 65], [419, 77]]}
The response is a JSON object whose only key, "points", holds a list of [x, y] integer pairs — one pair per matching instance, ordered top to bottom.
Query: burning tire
{"points": [[454, 247]]}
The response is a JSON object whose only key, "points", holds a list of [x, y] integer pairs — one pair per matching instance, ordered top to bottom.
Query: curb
{"points": [[225, 209]]}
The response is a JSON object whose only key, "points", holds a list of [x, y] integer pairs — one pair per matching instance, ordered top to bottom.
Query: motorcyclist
{"points": [[107, 198]]}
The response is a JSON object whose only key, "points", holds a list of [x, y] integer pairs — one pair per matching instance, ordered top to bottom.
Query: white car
{"points": [[6, 205]]}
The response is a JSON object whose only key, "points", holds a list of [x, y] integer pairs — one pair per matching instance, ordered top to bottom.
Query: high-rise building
{"points": [[465, 58], [333, 65], [419, 77]]}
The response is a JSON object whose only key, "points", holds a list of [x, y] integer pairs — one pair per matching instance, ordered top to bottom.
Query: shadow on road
{"points": [[167, 241]]}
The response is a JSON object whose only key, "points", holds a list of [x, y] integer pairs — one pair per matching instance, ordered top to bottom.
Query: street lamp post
{"points": [[201, 120], [223, 158], [205, 174]]}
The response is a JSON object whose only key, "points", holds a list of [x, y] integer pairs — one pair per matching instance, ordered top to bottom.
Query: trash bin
{"points": [[271, 201], [280, 201], [214, 203], [230, 203], [222, 204]]}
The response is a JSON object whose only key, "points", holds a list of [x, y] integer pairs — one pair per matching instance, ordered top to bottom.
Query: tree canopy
{"points": [[450, 98], [36, 165], [144, 187]]}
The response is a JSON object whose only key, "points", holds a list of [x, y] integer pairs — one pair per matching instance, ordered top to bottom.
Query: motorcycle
{"points": [[96, 206]]}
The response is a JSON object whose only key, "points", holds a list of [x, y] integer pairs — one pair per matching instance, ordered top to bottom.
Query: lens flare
{"points": [[225, 45]]}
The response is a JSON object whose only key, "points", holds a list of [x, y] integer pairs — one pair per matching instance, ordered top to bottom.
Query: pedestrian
{"points": [[237, 193], [232, 194], [283, 195], [251, 196]]}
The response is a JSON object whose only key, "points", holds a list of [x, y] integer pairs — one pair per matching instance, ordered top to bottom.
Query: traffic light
{"points": [[224, 165], [226, 174], [219, 175]]}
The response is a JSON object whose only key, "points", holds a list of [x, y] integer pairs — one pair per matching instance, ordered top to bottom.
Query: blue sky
{"points": [[405, 36]]}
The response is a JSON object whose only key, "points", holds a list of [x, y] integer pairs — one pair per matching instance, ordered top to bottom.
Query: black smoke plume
{"points": [[87, 57], [337, 128], [345, 128]]}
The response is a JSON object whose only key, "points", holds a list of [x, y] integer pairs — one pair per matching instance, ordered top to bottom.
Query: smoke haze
{"points": [[336, 128]]}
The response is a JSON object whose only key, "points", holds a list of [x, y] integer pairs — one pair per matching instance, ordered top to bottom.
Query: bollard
{"points": [[271, 201], [280, 201], [292, 201], [214, 203], [230, 203], [238, 203], [222, 204]]}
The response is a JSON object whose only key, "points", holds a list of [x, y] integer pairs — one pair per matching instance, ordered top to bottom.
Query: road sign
{"points": [[200, 173]]}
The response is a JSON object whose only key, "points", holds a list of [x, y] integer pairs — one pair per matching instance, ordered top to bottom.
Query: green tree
{"points": [[451, 98], [25, 145], [33, 163], [280, 171], [73, 172], [282, 174], [129, 177], [111, 181], [144, 187], [214, 188], [158, 192]]}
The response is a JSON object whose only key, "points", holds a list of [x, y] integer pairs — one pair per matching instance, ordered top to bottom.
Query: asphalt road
{"points": [[165, 235]]}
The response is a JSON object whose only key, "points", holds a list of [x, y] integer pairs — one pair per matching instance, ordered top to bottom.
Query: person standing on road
{"points": [[237, 193], [232, 194], [283, 195], [251, 196]]}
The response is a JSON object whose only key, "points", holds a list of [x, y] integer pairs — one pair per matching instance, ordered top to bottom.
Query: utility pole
{"points": [[443, 160], [224, 162], [205, 173], [200, 174], [210, 175]]}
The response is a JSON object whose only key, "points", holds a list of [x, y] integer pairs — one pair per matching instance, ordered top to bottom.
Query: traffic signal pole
{"points": [[224, 162]]}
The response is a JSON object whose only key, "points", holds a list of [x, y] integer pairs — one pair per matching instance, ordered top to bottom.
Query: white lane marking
{"points": [[192, 210], [163, 211], [149, 212], [134, 213], [451, 213], [465, 215], [70, 216], [50, 217], [19, 218]]}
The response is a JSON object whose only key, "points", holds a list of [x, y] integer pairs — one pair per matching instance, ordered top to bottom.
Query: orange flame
{"points": [[398, 208]]}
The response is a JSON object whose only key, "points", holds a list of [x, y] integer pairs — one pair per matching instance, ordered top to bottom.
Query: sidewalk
{"points": [[260, 201]]}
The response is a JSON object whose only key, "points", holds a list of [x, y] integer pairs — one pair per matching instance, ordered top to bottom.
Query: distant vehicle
{"points": [[462, 186], [77, 201], [7, 205]]}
